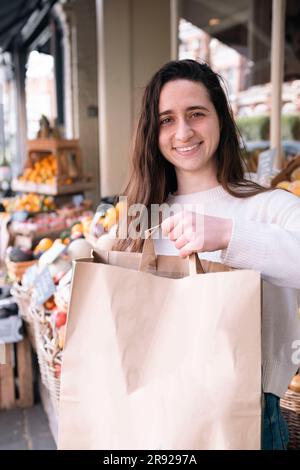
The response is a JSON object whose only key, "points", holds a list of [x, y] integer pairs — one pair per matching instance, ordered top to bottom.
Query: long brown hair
{"points": [[152, 177]]}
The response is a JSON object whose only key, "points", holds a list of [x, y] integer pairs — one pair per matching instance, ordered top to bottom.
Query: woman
{"points": [[187, 152]]}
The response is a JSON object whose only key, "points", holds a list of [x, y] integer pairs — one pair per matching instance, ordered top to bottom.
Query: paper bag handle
{"points": [[149, 257]]}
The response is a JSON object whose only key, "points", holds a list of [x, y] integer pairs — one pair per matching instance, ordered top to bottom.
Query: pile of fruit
{"points": [[44, 170], [290, 178], [292, 187], [30, 202], [70, 209], [107, 217], [39, 224], [77, 227], [72, 245], [56, 307], [52, 324], [54, 332]]}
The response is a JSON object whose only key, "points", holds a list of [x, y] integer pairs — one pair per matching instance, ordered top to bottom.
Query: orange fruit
{"points": [[283, 185]]}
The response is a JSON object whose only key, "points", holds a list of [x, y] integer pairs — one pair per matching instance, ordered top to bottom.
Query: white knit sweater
{"points": [[265, 238]]}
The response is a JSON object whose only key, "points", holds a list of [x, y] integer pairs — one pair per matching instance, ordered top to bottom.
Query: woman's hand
{"points": [[197, 232]]}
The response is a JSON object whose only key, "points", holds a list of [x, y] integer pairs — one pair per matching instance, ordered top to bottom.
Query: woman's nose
{"points": [[183, 131]]}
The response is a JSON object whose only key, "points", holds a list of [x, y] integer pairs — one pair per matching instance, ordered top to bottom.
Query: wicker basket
{"points": [[16, 270], [22, 296], [44, 342], [47, 352], [290, 407]]}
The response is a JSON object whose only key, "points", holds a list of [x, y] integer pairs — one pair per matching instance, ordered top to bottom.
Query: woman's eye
{"points": [[197, 114], [165, 121]]}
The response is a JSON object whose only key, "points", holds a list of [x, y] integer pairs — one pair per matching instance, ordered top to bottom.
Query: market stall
{"points": [[30, 222], [38, 261]]}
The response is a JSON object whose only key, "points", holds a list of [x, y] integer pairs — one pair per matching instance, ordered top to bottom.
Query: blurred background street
{"points": [[25, 429]]}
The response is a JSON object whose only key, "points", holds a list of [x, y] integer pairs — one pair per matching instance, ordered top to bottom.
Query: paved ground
{"points": [[25, 429]]}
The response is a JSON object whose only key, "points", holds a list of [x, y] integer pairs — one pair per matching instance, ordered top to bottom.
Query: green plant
{"points": [[254, 127], [258, 127], [290, 127]]}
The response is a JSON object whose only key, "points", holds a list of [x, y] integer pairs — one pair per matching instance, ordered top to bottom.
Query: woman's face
{"points": [[189, 131]]}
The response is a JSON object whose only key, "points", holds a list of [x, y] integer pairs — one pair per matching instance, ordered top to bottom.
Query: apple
{"points": [[60, 319], [57, 370]]}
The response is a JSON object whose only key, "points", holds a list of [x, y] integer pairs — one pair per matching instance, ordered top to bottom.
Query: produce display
{"points": [[53, 166], [44, 170], [289, 177], [293, 184], [293, 187], [30, 203], [39, 224], [50, 225], [75, 241], [42, 246], [55, 308]]}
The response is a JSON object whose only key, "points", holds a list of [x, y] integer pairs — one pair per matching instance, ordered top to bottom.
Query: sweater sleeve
{"points": [[272, 248]]}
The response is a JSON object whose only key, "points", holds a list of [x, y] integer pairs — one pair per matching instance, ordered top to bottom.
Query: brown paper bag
{"points": [[160, 357]]}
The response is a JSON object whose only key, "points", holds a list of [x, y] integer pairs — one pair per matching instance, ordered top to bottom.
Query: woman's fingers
{"points": [[168, 224], [184, 227], [177, 231], [197, 232], [181, 242], [187, 250]]}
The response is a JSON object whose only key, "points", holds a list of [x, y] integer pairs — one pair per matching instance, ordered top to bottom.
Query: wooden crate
{"points": [[69, 161], [69, 166], [84, 184], [17, 269], [2, 354], [16, 376]]}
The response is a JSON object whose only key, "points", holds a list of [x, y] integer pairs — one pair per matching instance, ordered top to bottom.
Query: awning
{"points": [[15, 14]]}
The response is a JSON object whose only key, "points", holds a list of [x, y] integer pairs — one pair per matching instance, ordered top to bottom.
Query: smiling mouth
{"points": [[188, 149]]}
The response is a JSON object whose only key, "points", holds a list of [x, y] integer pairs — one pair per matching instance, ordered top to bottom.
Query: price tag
{"points": [[265, 165], [78, 199], [20, 216], [54, 252], [30, 276], [43, 287]]}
